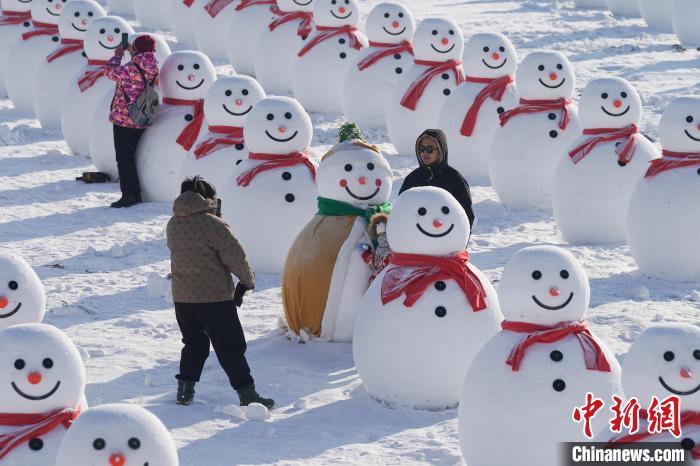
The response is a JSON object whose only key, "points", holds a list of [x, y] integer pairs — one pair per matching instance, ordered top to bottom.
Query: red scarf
{"points": [[187, 3], [248, 3], [214, 7], [10, 18], [305, 18], [40, 29], [326, 33], [69, 46], [384, 50], [90, 77], [495, 89], [415, 91], [540, 106], [189, 135], [601, 135], [228, 136], [671, 161], [273, 162], [414, 273], [593, 354], [688, 418], [30, 426]]}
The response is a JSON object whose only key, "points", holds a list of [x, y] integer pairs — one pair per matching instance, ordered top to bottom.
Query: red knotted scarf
{"points": [[187, 3], [248, 3], [214, 7], [304, 17], [10, 18], [40, 29], [326, 33], [69, 46], [384, 50], [90, 77], [495, 89], [415, 91], [540, 106], [189, 135], [601, 135], [218, 138], [275, 161], [671, 161], [412, 274], [593, 354], [688, 418], [30, 426]]}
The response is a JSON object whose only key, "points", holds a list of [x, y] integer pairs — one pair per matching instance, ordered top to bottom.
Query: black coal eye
{"points": [[333, 2], [347, 2], [76, 14], [90, 14], [386, 15], [400, 15], [117, 30], [102, 31], [435, 33], [452, 33], [486, 49], [502, 49], [196, 66], [560, 66], [180, 67], [541, 67], [245, 92], [228, 93], [604, 95], [623, 95], [270, 116], [288, 116], [689, 119], [370, 166], [348, 167], [445, 210], [422, 211], [536, 274], [564, 274], [13, 285], [696, 354], [669, 356], [47, 363], [19, 364], [134, 443], [99, 444]]}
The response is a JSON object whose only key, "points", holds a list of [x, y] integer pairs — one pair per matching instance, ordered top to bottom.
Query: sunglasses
{"points": [[426, 149]]}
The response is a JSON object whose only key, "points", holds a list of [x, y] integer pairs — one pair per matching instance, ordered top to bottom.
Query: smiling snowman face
{"points": [[16, 5], [295, 5], [47, 11], [336, 13], [77, 16], [390, 23], [104, 35], [438, 39], [488, 55], [187, 75], [545, 76], [230, 99], [609, 103], [278, 125], [679, 130], [428, 221], [544, 285], [22, 297], [663, 361], [40, 370], [117, 434]]}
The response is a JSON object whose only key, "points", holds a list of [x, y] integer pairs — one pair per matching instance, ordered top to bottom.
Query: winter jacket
{"points": [[129, 80], [441, 175], [204, 253]]}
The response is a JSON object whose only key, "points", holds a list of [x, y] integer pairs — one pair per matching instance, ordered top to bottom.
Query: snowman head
{"points": [[16, 5], [295, 5], [47, 11], [336, 13], [77, 16], [390, 23], [104, 35], [438, 39], [162, 48], [489, 55], [187, 75], [545, 76], [231, 99], [609, 103], [278, 125], [679, 130], [355, 172], [429, 221], [544, 285], [22, 297], [664, 361], [40, 370], [117, 434]]}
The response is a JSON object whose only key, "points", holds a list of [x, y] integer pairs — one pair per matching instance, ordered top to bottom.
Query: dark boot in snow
{"points": [[127, 201], [185, 392], [248, 395]]}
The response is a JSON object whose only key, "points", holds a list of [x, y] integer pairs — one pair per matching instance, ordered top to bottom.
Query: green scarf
{"points": [[332, 208]]}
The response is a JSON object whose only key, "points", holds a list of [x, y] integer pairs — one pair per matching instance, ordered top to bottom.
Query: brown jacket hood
{"points": [[191, 203]]}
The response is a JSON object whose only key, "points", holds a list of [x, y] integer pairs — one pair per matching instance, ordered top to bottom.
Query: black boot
{"points": [[127, 201], [185, 392], [248, 395]]}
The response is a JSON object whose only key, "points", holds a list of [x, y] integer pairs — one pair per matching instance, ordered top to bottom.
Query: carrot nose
{"points": [[57, 6], [341, 10], [84, 22], [395, 24], [110, 38], [445, 41], [495, 56], [553, 76], [190, 77], [239, 102], [617, 104], [698, 127], [282, 129], [362, 180], [437, 223], [554, 291], [3, 302], [686, 373], [34, 378], [117, 459]]}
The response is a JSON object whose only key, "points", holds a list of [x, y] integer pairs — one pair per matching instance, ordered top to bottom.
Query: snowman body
{"points": [[591, 4], [624, 8], [153, 14], [658, 14], [181, 15], [684, 17], [244, 27], [211, 32], [10, 33], [22, 296]]}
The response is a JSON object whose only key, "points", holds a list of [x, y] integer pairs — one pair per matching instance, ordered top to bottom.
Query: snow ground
{"points": [[97, 264]]}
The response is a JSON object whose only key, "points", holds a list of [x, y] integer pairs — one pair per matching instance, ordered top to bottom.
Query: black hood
{"points": [[441, 139]]}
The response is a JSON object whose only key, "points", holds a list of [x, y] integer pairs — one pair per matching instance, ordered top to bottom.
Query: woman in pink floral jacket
{"points": [[130, 81]]}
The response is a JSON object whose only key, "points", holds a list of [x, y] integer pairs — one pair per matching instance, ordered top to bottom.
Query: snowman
{"points": [[591, 4], [121, 7], [624, 8], [153, 14], [181, 14], [657, 14], [684, 17], [15, 18], [248, 21], [211, 22], [278, 44], [30, 50], [328, 53], [53, 74], [185, 78], [370, 80], [88, 87], [419, 95], [228, 103], [470, 116], [533, 136], [594, 181], [273, 185], [663, 216], [325, 275], [22, 296], [427, 314], [663, 361], [538, 369], [43, 380], [117, 434]]}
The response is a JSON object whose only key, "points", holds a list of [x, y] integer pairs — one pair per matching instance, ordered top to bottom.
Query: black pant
{"points": [[125, 142], [218, 323]]}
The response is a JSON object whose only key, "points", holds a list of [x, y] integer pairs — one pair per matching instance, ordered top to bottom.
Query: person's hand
{"points": [[238, 294]]}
